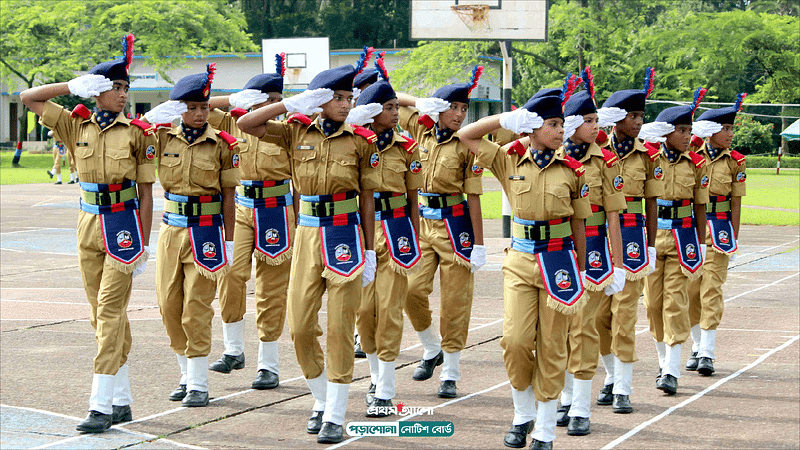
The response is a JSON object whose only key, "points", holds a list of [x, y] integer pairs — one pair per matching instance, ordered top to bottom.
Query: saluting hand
{"points": [[89, 85], [247, 98], [308, 102], [166, 112], [363, 114]]}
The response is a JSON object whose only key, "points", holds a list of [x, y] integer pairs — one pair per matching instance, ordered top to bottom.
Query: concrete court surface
{"points": [[47, 346]]}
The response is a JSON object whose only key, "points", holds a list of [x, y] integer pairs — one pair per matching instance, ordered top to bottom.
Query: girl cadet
{"points": [[114, 157], [331, 168], [196, 169], [726, 174], [398, 176], [265, 223], [451, 230], [603, 240], [680, 254], [543, 270], [616, 315]]}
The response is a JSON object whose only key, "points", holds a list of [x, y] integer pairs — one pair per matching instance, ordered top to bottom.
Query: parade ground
{"points": [[47, 346]]}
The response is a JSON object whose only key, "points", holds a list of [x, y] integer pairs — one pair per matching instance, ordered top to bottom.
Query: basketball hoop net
{"points": [[475, 17]]}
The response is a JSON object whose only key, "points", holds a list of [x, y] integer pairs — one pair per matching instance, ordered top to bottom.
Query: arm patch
{"points": [[81, 110]]}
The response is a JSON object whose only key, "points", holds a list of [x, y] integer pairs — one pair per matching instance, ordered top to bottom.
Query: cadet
{"points": [[59, 152], [115, 161], [331, 167], [196, 169], [726, 174], [398, 176], [265, 223], [451, 230], [680, 254], [543, 270], [603, 277], [616, 315]]}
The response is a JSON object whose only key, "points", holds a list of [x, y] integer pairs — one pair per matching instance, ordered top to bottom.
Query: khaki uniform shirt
{"points": [[502, 136], [113, 155], [258, 160], [324, 165], [447, 167], [202, 168], [638, 171], [394, 172], [726, 175], [600, 178], [683, 180], [536, 194]]}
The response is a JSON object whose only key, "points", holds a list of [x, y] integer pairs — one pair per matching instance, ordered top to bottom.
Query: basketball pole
{"points": [[505, 47]]}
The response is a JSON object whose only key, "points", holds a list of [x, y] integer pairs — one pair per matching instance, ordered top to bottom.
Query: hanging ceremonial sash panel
{"points": [[270, 202], [391, 209], [454, 211], [202, 215], [677, 216], [720, 228], [634, 240], [598, 253]]}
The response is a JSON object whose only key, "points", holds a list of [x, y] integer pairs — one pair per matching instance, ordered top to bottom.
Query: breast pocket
{"points": [[275, 158], [120, 161], [305, 163], [344, 166], [449, 169], [204, 173], [395, 174], [634, 182], [721, 183], [684, 187], [521, 195], [557, 200]]}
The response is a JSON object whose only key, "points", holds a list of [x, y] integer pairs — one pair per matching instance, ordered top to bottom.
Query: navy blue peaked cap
{"points": [[117, 69], [368, 76], [337, 79], [266, 82], [194, 88], [380, 92], [457, 92], [546, 92], [628, 99], [580, 104], [546, 107], [676, 115], [722, 115]]}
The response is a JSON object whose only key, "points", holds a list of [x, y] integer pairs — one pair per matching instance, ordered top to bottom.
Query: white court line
{"points": [[35, 229], [766, 249], [64, 289], [47, 302], [496, 386], [235, 394], [697, 396]]}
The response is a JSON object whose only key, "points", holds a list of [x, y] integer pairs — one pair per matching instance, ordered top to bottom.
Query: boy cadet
{"points": [[59, 152], [114, 157], [195, 166], [331, 167], [397, 173], [726, 174], [265, 223], [451, 230], [680, 254], [543, 270], [604, 277], [616, 315]]}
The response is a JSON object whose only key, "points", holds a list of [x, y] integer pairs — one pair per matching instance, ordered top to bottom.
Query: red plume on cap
{"points": [[127, 50], [362, 62], [280, 64], [380, 65], [210, 69], [476, 75], [588, 80], [649, 81], [570, 83], [699, 93], [739, 101]]}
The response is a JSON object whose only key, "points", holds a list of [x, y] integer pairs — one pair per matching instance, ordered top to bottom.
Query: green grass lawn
{"points": [[33, 170]]}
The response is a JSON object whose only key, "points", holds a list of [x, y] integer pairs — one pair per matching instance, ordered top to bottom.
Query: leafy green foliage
{"points": [[751, 136]]}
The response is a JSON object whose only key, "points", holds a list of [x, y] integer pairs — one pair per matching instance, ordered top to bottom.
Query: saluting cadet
{"points": [[59, 152], [114, 158], [331, 168], [726, 174], [642, 175], [398, 176], [265, 223], [451, 229], [195, 242], [680, 254], [543, 270], [604, 277]]}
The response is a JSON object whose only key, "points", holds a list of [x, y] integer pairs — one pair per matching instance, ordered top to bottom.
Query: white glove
{"points": [[89, 85], [356, 93], [247, 98], [308, 102], [432, 106], [166, 112], [363, 114], [607, 117], [521, 121], [571, 123], [705, 128], [655, 131], [703, 251], [229, 252], [651, 255], [478, 257], [731, 258], [370, 266], [140, 270], [583, 277], [619, 282]]}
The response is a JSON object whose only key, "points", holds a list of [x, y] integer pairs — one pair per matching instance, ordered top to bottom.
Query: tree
{"points": [[751, 136]]}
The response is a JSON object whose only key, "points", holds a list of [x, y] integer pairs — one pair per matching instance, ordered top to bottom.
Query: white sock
{"points": [[58, 177], [695, 331], [233, 336], [430, 342], [708, 344], [661, 349], [268, 356], [372, 359], [182, 363], [608, 364], [672, 365], [450, 369], [197, 374], [623, 377], [386, 382], [122, 387], [319, 387], [102, 393], [566, 393], [581, 398], [336, 403], [524, 405], [545, 429]]}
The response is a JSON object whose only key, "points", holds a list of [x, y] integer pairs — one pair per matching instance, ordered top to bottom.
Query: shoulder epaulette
{"points": [[81, 110], [238, 112], [299, 118], [426, 121], [159, 126], [146, 127], [369, 135], [602, 138], [697, 141], [232, 142], [410, 145], [516, 147], [652, 150], [610, 157], [740, 159], [698, 160], [574, 164]]}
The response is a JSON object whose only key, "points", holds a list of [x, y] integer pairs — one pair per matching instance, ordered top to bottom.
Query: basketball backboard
{"points": [[484, 20], [305, 57]]}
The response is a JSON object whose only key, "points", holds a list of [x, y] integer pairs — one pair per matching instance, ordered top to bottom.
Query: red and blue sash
{"points": [[270, 219], [120, 222], [457, 222], [720, 228], [684, 231], [340, 236], [401, 238], [208, 240], [634, 241], [598, 256]]}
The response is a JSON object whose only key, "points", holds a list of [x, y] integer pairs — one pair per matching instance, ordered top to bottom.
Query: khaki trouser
{"points": [[57, 162], [272, 281], [456, 284], [306, 286], [108, 291], [705, 293], [666, 294], [184, 295], [380, 316], [616, 321], [530, 325], [583, 340]]}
